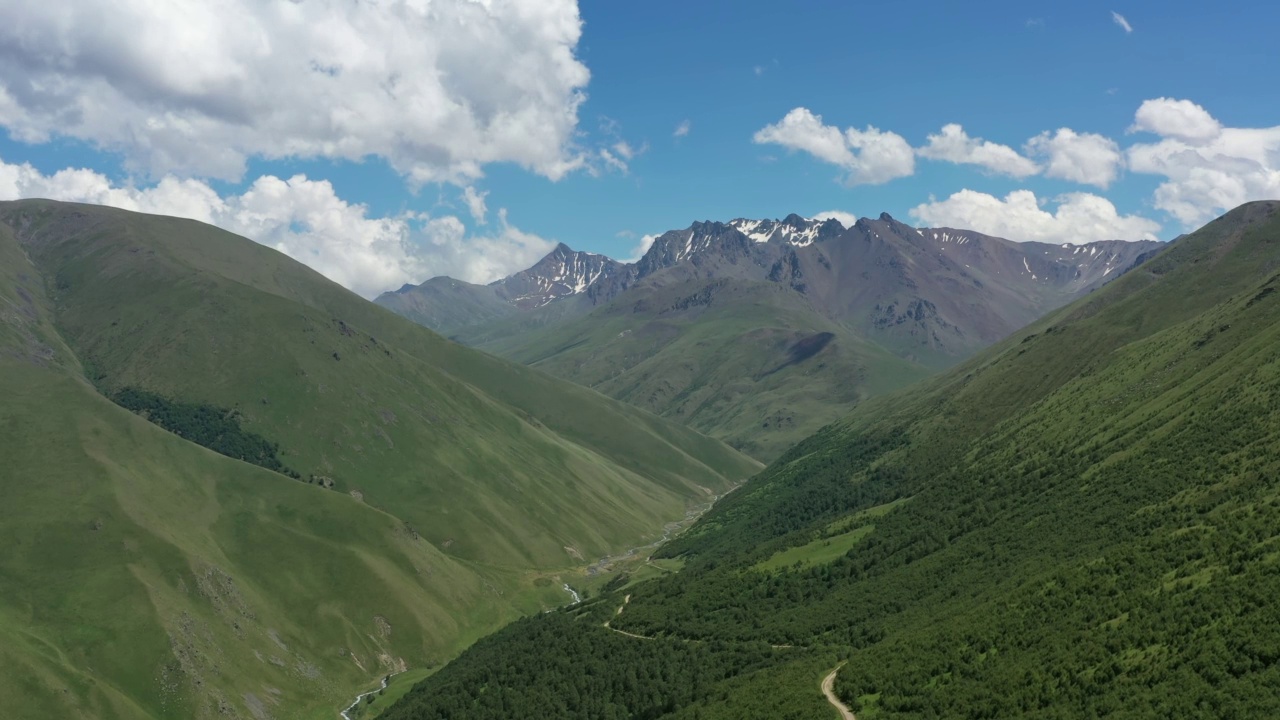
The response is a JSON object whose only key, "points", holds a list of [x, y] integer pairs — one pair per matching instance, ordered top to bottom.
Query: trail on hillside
{"points": [[625, 600], [828, 689]]}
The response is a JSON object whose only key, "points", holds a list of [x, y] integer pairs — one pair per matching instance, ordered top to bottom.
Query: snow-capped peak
{"points": [[793, 230], [562, 272]]}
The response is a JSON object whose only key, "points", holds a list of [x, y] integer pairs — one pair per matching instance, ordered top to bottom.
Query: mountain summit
{"points": [[563, 272], [761, 331]]}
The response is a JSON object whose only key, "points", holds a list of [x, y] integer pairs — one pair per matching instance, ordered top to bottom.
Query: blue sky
{"points": [[1169, 107]]}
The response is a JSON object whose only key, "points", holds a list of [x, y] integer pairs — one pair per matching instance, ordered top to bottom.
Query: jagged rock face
{"points": [[561, 273], [939, 291], [760, 332]]}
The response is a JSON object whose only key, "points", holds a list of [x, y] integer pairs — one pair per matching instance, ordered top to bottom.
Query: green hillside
{"points": [[745, 361], [441, 492], [1080, 521]]}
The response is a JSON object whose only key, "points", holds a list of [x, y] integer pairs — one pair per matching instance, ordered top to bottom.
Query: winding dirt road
{"points": [[625, 600], [828, 689]]}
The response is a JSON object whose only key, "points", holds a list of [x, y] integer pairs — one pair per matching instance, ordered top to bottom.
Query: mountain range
{"points": [[759, 332], [1079, 521]]}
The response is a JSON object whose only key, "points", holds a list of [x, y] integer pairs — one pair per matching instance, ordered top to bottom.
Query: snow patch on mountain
{"points": [[794, 230], [562, 273]]}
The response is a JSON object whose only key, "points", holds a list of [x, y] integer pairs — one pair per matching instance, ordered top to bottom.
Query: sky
{"points": [[387, 142]]}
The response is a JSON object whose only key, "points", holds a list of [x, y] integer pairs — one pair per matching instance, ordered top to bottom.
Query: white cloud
{"points": [[1120, 20], [439, 89], [1179, 119], [683, 128], [952, 144], [618, 154], [870, 156], [1079, 157], [612, 161], [1208, 168], [475, 201], [1078, 218], [846, 219], [306, 220], [640, 248], [479, 259]]}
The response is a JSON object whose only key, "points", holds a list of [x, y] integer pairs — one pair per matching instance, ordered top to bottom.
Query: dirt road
{"points": [[625, 600], [828, 689]]}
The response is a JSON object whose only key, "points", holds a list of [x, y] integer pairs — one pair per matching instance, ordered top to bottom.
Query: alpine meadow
{"points": [[558, 360]]}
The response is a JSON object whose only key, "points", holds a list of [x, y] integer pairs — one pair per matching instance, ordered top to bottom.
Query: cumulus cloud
{"points": [[1120, 20], [439, 89], [1179, 119], [683, 128], [952, 144], [870, 156], [1086, 158], [1208, 168], [475, 201], [1078, 217], [846, 219], [306, 220], [641, 247], [448, 250]]}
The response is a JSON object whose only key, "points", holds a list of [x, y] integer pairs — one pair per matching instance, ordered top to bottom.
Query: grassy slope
{"points": [[723, 366], [508, 464], [1091, 528], [147, 577]]}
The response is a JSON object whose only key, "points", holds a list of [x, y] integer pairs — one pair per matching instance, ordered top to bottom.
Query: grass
{"points": [[726, 369], [818, 552], [175, 568], [147, 577], [396, 689]]}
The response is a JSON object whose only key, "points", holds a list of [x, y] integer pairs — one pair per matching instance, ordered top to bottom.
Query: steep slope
{"points": [[564, 272], [448, 306], [761, 332], [746, 361], [461, 479], [1078, 522], [146, 577]]}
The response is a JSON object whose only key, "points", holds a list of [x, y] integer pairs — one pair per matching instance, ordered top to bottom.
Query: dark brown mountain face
{"points": [[562, 273], [933, 293], [447, 305], [723, 323]]}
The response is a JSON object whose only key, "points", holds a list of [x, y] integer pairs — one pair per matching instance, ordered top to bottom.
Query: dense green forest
{"points": [[213, 427], [1084, 521], [586, 670]]}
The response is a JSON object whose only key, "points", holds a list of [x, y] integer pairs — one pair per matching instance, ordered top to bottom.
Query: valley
{"points": [[760, 332], [562, 360], [1089, 527], [234, 586]]}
